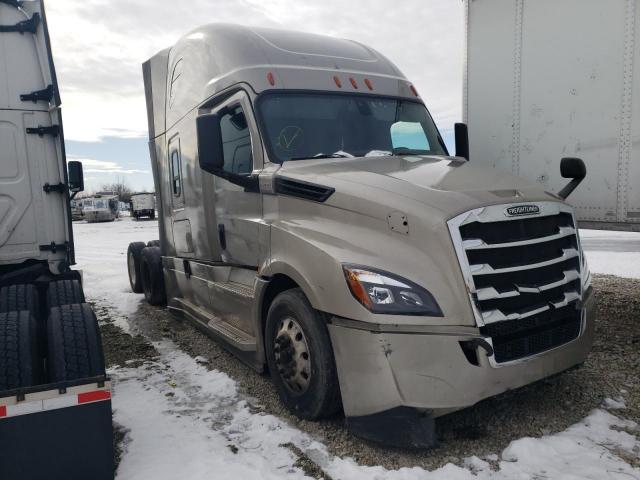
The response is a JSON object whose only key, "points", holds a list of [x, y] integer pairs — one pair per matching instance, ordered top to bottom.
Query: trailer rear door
{"points": [[35, 218]]}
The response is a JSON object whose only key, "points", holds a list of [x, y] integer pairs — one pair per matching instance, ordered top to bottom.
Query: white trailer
{"points": [[546, 79], [143, 205], [102, 207]]}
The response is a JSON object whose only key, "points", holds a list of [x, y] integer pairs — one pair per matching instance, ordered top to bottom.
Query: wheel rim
{"points": [[131, 265], [292, 357]]}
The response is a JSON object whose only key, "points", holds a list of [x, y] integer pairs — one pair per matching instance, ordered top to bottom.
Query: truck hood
{"points": [[446, 186]]}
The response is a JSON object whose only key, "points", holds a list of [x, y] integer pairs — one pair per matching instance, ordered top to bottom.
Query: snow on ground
{"points": [[612, 253], [187, 422]]}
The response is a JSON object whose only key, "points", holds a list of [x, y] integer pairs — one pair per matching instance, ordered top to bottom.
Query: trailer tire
{"points": [[153, 243], [133, 265], [152, 276], [64, 292], [20, 297], [286, 345], [75, 346], [19, 359]]}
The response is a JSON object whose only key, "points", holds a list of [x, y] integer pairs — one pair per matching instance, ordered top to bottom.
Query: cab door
{"points": [[238, 212]]}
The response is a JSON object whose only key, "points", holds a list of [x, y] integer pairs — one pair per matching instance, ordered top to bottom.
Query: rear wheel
{"points": [[153, 243], [133, 265], [152, 276], [64, 292], [19, 297], [75, 347], [300, 357], [19, 359]]}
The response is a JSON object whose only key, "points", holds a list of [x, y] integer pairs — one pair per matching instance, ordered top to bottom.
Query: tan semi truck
{"points": [[312, 221]]}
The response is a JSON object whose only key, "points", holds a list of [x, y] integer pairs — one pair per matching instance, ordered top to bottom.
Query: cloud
{"points": [[99, 46], [90, 165]]}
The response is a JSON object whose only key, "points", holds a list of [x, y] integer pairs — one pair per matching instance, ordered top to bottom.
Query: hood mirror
{"points": [[575, 169], [75, 179]]}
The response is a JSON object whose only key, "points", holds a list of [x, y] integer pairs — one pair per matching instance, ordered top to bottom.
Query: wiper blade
{"points": [[409, 151], [323, 155]]}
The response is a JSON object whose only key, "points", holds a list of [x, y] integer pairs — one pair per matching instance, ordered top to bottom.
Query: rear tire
{"points": [[153, 243], [133, 265], [153, 276], [64, 292], [20, 297], [75, 347], [300, 357], [19, 359]]}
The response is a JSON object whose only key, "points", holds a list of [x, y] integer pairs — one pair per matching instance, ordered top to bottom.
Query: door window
{"points": [[236, 141]]}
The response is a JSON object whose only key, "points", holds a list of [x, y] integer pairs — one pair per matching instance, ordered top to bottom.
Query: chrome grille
{"points": [[523, 276]]}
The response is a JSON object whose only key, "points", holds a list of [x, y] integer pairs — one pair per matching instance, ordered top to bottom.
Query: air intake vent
{"points": [[300, 189]]}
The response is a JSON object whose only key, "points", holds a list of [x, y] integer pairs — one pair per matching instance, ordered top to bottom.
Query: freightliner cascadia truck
{"points": [[314, 223], [55, 407]]}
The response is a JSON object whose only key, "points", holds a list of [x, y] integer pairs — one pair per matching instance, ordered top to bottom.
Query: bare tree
{"points": [[120, 187]]}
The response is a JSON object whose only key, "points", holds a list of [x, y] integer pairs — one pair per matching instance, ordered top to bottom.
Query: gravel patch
{"points": [[611, 371]]}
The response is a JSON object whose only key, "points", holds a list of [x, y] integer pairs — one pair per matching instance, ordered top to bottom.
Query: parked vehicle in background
{"points": [[532, 96], [143, 205], [102, 207], [76, 210], [313, 222], [55, 408]]}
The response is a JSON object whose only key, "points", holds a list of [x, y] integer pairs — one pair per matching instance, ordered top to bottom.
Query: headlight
{"points": [[382, 292]]}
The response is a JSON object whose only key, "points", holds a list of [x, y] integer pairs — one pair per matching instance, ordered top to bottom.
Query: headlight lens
{"points": [[382, 292]]}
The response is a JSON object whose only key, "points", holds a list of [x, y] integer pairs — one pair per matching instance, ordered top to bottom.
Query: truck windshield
{"points": [[301, 126]]}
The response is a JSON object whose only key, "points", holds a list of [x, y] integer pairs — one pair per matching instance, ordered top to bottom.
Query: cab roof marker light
{"points": [[271, 79], [336, 79], [368, 83], [354, 84], [413, 90]]}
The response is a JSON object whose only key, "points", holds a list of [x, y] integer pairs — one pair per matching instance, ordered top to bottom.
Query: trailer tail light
{"points": [[271, 79], [337, 81], [353, 82], [368, 83], [413, 90], [3, 411]]}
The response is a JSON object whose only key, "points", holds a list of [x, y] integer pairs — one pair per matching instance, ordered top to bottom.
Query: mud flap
{"points": [[401, 427]]}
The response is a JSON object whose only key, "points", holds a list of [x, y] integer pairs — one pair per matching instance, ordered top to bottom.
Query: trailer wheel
{"points": [[153, 243], [133, 265], [152, 276], [64, 292], [19, 297], [75, 347], [300, 357], [19, 360]]}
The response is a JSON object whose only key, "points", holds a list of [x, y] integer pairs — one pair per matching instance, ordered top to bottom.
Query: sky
{"points": [[99, 46]]}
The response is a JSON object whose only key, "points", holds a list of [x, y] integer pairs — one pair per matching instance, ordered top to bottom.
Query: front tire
{"points": [[300, 357]]}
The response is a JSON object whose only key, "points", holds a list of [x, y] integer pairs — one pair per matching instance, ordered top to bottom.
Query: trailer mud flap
{"points": [[54, 440]]}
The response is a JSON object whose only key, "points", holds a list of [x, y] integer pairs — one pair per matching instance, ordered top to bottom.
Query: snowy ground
{"points": [[612, 253], [185, 421]]}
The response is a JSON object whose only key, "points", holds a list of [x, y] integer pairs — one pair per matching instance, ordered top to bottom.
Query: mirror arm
{"points": [[569, 188], [73, 195]]}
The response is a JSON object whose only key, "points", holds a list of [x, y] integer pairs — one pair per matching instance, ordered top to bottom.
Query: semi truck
{"points": [[545, 79], [143, 205], [314, 223], [55, 407]]}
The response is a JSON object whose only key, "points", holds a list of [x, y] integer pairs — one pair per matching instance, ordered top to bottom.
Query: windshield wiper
{"points": [[409, 151], [324, 155]]}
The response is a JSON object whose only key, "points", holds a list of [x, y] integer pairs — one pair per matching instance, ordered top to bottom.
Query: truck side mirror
{"points": [[462, 140], [210, 153], [575, 169], [76, 177]]}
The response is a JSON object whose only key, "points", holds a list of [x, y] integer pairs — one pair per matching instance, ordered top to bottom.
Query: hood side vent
{"points": [[300, 189]]}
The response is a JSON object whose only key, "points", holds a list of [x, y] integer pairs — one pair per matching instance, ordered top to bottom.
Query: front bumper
{"points": [[428, 370]]}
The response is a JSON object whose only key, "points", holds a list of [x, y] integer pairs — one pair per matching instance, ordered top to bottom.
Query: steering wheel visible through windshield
{"points": [[300, 126]]}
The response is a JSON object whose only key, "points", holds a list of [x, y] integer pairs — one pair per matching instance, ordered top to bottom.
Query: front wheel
{"points": [[300, 357]]}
